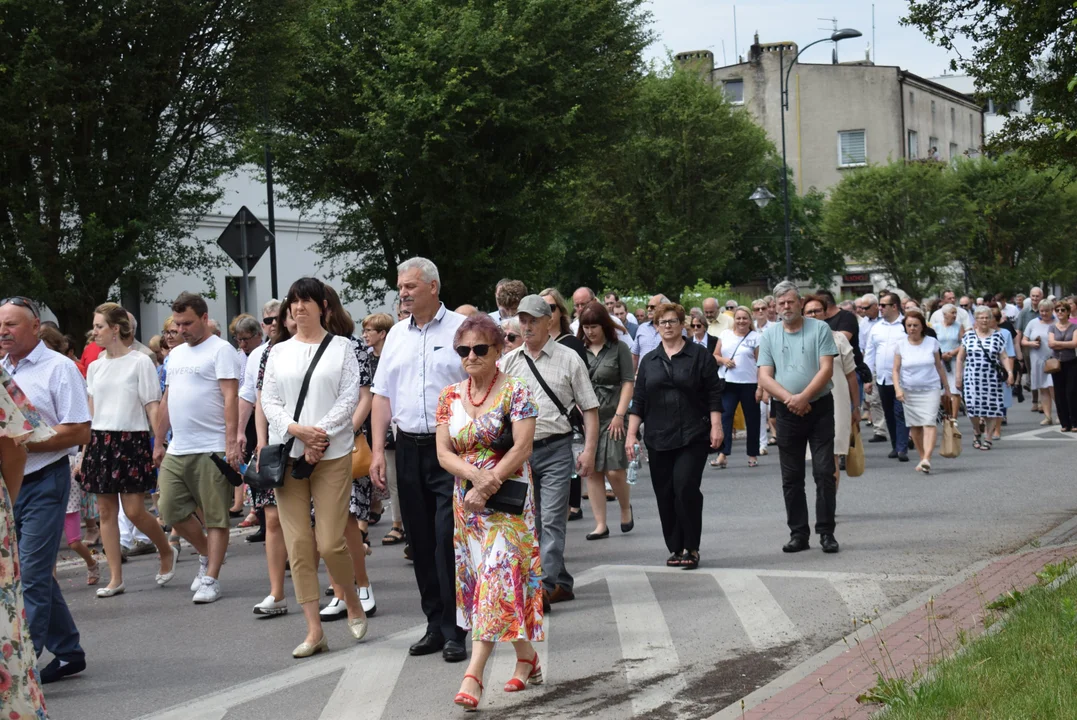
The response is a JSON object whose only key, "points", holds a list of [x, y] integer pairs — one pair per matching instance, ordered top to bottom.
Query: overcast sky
{"points": [[704, 25]]}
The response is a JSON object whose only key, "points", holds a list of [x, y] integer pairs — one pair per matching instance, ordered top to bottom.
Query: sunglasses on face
{"points": [[21, 301], [887, 304], [963, 305], [651, 307], [554, 308], [269, 320], [697, 326], [512, 337], [479, 350]]}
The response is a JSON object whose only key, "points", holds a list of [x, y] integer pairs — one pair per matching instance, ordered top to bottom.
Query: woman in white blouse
{"points": [[736, 353], [919, 384], [323, 439], [118, 466]]}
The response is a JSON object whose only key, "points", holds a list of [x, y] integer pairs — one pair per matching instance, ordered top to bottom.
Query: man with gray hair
{"points": [[1023, 319], [418, 361], [796, 362], [877, 418]]}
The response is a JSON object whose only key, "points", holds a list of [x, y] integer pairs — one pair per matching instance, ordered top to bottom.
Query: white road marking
{"points": [[1052, 433], [863, 596], [763, 619], [646, 644], [369, 682]]}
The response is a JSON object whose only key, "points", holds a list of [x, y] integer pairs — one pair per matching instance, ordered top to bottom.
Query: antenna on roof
{"points": [[833, 29], [736, 48]]}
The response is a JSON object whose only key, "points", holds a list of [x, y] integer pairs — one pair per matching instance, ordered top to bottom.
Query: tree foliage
{"points": [[1021, 51], [116, 124], [450, 128], [906, 218]]}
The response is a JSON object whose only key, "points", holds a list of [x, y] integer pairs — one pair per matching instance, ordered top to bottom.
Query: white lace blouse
{"points": [[331, 398]]}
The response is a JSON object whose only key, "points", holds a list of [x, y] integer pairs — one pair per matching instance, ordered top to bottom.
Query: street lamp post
{"points": [[783, 88]]}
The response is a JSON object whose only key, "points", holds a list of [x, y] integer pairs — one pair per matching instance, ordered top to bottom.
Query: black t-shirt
{"points": [[846, 321], [574, 343]]}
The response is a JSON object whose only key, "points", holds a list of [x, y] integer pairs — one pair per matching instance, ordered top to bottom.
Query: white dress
{"points": [[1037, 378]]}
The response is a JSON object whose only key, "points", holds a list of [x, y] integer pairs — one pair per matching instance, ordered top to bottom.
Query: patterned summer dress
{"points": [[982, 388], [498, 571], [20, 689]]}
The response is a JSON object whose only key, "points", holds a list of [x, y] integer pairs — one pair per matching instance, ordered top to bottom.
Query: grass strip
{"points": [[1026, 670]]}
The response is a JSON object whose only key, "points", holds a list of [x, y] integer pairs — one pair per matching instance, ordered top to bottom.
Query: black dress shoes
{"points": [[878, 438], [893, 454], [903, 457], [576, 514], [258, 536], [797, 543], [830, 545], [430, 644], [454, 651], [55, 671]]}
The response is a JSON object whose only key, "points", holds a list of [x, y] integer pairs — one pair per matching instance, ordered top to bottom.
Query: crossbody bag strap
{"points": [[310, 371], [542, 382]]}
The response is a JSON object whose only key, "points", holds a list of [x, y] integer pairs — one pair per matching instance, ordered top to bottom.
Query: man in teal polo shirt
{"points": [[796, 361]]}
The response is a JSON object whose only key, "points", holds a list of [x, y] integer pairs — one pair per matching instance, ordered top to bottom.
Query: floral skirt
{"points": [[119, 462]]}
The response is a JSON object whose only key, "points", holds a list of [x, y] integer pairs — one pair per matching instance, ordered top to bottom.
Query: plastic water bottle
{"points": [[577, 446], [633, 467]]}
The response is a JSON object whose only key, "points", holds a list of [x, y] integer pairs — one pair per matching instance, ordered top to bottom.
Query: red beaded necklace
{"points": [[488, 391]]}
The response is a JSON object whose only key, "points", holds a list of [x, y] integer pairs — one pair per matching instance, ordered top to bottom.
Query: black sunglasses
{"points": [[22, 301], [554, 308], [269, 320], [512, 337], [480, 350]]}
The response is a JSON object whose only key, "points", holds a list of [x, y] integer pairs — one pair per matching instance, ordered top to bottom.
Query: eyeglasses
{"points": [[22, 301], [887, 304], [965, 306], [1062, 309], [812, 313], [269, 320], [669, 323], [171, 332], [512, 337], [244, 339], [479, 350]]}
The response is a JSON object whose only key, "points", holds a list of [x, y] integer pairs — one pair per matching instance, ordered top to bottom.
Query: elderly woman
{"points": [[948, 333], [514, 336], [1036, 339], [1063, 341], [736, 352], [983, 367], [918, 377], [845, 385], [678, 395], [485, 428], [318, 469]]}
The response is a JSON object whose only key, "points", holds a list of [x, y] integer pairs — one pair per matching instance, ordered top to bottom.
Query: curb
{"points": [[793, 676]]}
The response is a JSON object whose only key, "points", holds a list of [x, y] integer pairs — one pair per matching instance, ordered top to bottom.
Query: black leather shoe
{"points": [[878, 438], [893, 455], [903, 457], [575, 514], [627, 527], [598, 535], [257, 536], [797, 543], [830, 545], [430, 644], [454, 651], [54, 671]]}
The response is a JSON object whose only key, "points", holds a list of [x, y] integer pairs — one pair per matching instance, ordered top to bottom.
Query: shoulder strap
{"points": [[310, 371], [546, 388]]}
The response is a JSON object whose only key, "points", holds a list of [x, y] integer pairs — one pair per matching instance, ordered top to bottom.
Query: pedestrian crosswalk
{"points": [[625, 647]]}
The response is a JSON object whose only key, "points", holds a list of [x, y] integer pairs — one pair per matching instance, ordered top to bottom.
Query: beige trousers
{"points": [[330, 487]]}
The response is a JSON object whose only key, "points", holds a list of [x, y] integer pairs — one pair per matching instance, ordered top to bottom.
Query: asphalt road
{"points": [[640, 640]]}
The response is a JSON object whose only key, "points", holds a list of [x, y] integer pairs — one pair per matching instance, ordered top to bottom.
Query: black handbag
{"points": [[268, 472], [509, 498]]}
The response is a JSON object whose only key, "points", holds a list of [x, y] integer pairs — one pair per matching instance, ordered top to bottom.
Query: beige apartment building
{"points": [[846, 115]]}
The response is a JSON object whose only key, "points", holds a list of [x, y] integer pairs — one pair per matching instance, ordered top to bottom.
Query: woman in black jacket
{"points": [[679, 397]]}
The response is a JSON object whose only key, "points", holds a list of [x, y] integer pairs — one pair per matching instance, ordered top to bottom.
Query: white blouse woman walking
{"points": [[919, 383]]}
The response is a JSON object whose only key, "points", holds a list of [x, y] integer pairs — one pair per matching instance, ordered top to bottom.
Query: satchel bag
{"points": [[1052, 365], [1000, 372], [574, 418], [951, 438], [361, 457], [854, 460], [268, 472]]}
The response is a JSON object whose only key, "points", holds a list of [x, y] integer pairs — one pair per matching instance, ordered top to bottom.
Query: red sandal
{"points": [[535, 678], [470, 703]]}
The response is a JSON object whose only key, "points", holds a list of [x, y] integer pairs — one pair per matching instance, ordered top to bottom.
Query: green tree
{"points": [[1020, 51], [117, 123], [450, 129], [909, 219], [1021, 226]]}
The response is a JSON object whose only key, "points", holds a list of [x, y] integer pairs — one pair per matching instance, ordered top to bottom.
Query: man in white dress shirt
{"points": [[882, 345], [418, 362], [53, 384]]}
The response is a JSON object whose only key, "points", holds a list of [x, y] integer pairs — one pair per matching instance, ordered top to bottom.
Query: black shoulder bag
{"points": [[577, 424], [274, 458]]}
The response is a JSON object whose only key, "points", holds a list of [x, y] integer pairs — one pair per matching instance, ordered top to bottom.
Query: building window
{"points": [[734, 91], [912, 103], [996, 108], [932, 113], [953, 121], [972, 129], [914, 147], [933, 147], [852, 148], [954, 152]]}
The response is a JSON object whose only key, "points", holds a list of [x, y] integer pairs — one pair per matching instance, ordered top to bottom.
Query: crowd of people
{"points": [[478, 430]]}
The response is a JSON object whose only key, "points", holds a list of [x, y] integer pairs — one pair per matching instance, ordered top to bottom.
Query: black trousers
{"points": [[743, 393], [1066, 393], [894, 412], [795, 435], [676, 476], [425, 492]]}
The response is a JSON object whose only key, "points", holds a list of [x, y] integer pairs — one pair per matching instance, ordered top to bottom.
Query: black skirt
{"points": [[119, 462]]}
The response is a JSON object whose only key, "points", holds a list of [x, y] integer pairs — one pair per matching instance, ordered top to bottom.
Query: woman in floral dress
{"points": [[485, 428], [20, 689]]}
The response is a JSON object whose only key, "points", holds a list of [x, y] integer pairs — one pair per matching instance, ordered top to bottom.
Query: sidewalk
{"points": [[914, 641]]}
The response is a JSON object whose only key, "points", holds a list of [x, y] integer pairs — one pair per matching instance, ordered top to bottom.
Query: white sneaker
{"points": [[197, 582], [209, 591], [366, 599], [269, 606], [335, 610]]}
